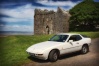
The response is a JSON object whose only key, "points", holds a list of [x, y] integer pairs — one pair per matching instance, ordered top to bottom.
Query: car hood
{"points": [[39, 47]]}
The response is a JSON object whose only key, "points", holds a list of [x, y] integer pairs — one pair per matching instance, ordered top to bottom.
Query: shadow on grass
{"points": [[65, 56]]}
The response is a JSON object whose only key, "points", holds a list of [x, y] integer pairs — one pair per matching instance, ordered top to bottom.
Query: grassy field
{"points": [[13, 48]]}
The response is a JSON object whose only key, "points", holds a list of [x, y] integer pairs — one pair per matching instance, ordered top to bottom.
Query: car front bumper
{"points": [[39, 56]]}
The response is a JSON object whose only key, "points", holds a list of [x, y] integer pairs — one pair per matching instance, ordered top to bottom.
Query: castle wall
{"points": [[50, 22]]}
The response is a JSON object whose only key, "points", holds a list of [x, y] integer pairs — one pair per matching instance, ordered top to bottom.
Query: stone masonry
{"points": [[50, 22]]}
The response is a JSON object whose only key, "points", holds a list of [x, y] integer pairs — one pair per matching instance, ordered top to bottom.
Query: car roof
{"points": [[68, 34]]}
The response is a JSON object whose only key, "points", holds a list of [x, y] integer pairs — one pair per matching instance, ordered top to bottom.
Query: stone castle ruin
{"points": [[50, 22]]}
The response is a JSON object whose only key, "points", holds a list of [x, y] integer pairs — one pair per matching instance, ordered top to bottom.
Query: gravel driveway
{"points": [[75, 59]]}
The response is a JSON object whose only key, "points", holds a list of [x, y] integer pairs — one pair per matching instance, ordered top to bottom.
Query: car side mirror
{"points": [[64, 40], [70, 41]]}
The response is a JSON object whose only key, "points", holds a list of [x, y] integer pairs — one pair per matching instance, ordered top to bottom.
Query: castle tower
{"points": [[50, 22]]}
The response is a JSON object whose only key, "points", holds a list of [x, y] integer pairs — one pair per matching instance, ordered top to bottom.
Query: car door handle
{"points": [[77, 43]]}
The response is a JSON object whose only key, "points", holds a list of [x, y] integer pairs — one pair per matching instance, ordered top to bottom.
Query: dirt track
{"points": [[75, 59]]}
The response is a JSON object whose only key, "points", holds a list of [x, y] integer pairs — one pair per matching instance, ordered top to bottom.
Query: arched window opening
{"points": [[47, 29]]}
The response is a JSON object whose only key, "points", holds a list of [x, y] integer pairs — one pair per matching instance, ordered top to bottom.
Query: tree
{"points": [[85, 16]]}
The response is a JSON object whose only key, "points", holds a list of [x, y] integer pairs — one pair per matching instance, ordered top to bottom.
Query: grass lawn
{"points": [[13, 48]]}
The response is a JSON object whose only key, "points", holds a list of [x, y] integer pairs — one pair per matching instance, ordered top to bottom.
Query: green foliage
{"points": [[85, 16], [13, 48]]}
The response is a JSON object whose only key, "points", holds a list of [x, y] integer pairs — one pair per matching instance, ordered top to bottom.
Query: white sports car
{"points": [[58, 45]]}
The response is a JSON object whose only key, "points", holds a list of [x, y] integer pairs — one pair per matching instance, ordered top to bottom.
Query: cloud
{"points": [[57, 3], [22, 13], [6, 19], [1, 25], [16, 28]]}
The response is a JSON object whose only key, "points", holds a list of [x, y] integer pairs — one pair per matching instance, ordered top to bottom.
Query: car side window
{"points": [[78, 37], [72, 38], [75, 38]]}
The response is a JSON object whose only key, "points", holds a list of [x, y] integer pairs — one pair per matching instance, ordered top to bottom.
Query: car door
{"points": [[76, 44], [72, 46], [66, 48]]}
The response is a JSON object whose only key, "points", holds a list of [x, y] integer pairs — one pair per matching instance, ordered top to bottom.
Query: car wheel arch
{"points": [[85, 44], [57, 50]]}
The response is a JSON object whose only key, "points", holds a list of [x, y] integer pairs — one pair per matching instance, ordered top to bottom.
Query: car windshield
{"points": [[59, 38]]}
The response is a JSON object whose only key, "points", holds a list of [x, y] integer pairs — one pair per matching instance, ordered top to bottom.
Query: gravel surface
{"points": [[75, 59]]}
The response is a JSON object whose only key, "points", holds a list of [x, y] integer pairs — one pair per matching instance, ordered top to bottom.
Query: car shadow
{"points": [[69, 55], [60, 58], [37, 60]]}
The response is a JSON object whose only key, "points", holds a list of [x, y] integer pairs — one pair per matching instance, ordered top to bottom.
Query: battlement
{"points": [[39, 11]]}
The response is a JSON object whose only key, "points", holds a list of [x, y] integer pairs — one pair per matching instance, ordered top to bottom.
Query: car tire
{"points": [[85, 49], [53, 56]]}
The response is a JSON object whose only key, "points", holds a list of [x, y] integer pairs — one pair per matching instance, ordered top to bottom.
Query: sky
{"points": [[18, 15]]}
